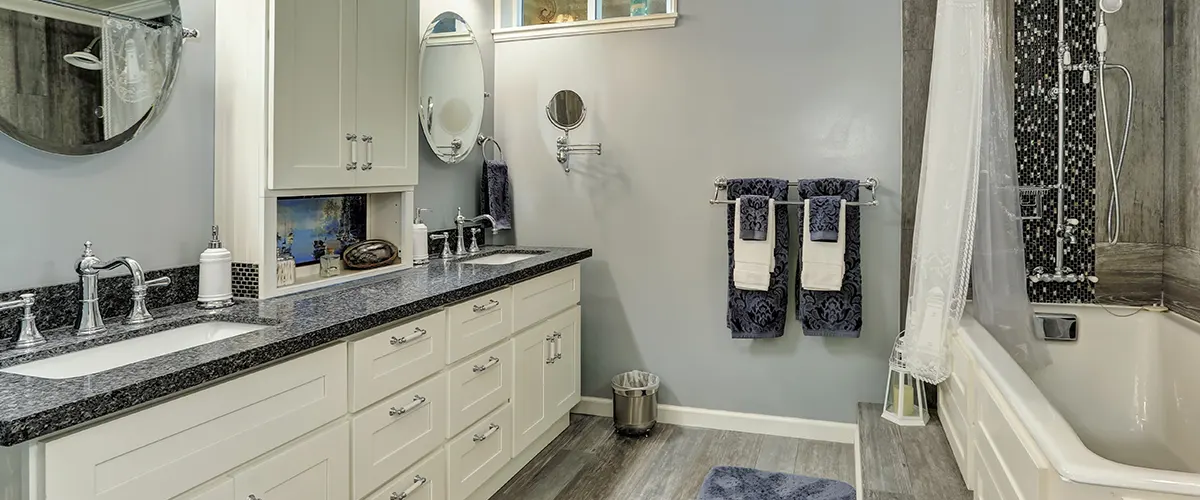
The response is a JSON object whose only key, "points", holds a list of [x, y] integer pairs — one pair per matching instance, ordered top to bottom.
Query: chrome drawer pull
{"points": [[353, 138], [370, 142], [492, 304], [417, 333], [557, 346], [550, 358], [492, 361], [416, 403], [492, 428], [417, 483]]}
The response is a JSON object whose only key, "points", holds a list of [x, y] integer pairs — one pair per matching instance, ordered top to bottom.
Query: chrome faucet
{"points": [[461, 221], [90, 320], [27, 334]]}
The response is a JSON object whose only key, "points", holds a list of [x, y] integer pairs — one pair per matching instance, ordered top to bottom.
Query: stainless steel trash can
{"points": [[635, 402]]}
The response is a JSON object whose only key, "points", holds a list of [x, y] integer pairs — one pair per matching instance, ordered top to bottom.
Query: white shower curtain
{"points": [[136, 62], [946, 207]]}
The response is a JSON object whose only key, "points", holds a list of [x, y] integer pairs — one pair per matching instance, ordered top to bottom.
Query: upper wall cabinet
{"points": [[338, 83]]}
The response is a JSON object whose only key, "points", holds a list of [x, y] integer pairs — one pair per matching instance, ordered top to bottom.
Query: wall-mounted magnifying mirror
{"points": [[83, 78], [452, 87], [566, 110]]}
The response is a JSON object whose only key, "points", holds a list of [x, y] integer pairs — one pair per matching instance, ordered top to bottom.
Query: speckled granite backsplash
{"points": [[58, 305]]}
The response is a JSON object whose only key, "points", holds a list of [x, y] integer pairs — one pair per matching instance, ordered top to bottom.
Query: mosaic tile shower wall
{"points": [[1036, 129]]}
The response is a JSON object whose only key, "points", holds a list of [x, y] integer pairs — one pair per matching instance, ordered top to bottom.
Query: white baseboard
{"points": [[816, 430]]}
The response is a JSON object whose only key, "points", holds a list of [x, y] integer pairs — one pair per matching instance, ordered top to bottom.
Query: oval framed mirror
{"points": [[86, 78], [452, 87], [566, 110]]}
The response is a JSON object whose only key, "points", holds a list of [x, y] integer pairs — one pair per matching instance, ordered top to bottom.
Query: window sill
{"points": [[614, 25]]}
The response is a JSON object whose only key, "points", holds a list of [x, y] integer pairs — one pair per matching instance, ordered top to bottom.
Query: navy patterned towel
{"points": [[495, 193], [755, 210], [823, 215], [754, 314], [834, 314], [740, 483]]}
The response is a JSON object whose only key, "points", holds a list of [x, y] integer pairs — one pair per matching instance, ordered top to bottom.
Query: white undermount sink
{"points": [[500, 258], [125, 352]]}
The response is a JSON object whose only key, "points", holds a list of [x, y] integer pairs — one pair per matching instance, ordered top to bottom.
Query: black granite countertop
{"points": [[33, 407]]}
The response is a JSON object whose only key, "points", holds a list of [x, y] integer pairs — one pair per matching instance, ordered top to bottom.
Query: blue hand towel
{"points": [[495, 193], [755, 209], [824, 212], [759, 314], [834, 314]]}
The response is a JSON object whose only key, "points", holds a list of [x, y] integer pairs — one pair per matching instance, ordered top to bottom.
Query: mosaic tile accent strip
{"points": [[1036, 129], [245, 280], [57, 306]]}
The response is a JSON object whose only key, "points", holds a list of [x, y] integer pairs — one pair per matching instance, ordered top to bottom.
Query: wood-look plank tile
{"points": [[1130, 273], [738, 449], [778, 454], [826, 460], [672, 462], [883, 462], [647, 463], [932, 470], [528, 474], [550, 480], [880, 495]]}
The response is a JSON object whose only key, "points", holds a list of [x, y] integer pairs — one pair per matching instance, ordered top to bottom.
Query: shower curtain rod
{"points": [[105, 13]]}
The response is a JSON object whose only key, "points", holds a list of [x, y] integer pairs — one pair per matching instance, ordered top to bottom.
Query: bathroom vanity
{"points": [[434, 383]]}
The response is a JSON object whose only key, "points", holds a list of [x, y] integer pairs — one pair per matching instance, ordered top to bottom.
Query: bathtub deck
{"points": [[906, 463]]}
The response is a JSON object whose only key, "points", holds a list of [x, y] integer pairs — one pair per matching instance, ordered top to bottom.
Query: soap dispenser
{"points": [[420, 239], [216, 275]]}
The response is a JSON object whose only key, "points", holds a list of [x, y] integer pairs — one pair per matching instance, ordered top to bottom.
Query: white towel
{"points": [[753, 261], [824, 263]]}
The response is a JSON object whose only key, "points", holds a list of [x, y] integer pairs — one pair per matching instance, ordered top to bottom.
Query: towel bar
{"points": [[871, 184]]}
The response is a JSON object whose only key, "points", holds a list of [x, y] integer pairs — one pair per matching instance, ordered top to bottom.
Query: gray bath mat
{"points": [[740, 483]]}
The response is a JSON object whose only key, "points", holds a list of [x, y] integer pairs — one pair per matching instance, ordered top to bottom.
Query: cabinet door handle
{"points": [[353, 140], [370, 142], [492, 304], [417, 333], [549, 342], [557, 346], [492, 361], [417, 402], [492, 428], [418, 482], [252, 497]]}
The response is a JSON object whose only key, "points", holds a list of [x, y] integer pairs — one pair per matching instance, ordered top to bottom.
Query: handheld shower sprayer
{"points": [[1111, 6], [1116, 157]]}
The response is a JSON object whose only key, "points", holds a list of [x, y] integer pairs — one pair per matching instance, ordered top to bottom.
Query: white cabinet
{"points": [[344, 93], [478, 323], [395, 358], [545, 376], [562, 383], [479, 385], [393, 435], [478, 453], [317, 468], [425, 481], [223, 490]]}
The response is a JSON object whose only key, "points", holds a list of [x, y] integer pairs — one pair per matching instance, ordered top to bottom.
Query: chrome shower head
{"points": [[85, 58]]}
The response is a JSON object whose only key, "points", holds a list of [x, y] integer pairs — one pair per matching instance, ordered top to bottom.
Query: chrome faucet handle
{"points": [[474, 245], [446, 253], [140, 314], [27, 334]]}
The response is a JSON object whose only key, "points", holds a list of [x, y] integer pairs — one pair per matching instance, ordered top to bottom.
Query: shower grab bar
{"points": [[186, 32], [871, 184]]}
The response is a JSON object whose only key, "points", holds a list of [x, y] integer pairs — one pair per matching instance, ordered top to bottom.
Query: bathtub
{"points": [[1115, 415]]}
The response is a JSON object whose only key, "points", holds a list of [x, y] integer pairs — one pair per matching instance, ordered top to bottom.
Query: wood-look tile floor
{"points": [[588, 461], [906, 463]]}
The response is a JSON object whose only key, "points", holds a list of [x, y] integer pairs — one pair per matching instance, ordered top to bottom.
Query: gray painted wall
{"points": [[791, 88], [151, 199]]}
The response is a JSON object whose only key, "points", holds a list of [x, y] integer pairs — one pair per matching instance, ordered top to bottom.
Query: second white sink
{"points": [[500, 258], [125, 352]]}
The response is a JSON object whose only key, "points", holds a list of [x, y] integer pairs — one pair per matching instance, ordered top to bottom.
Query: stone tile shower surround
{"points": [[1181, 172]]}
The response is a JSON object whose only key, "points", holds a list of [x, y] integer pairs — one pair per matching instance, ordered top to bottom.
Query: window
{"points": [[527, 19]]}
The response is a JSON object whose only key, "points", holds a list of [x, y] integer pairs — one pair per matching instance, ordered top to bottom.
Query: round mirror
{"points": [[83, 78], [452, 87], [566, 110]]}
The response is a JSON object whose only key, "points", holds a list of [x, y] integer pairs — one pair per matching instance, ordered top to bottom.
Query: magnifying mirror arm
{"points": [[565, 149]]}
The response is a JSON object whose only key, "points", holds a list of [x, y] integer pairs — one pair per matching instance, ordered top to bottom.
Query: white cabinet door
{"points": [[388, 39], [314, 85], [530, 370], [562, 383], [479, 385], [396, 433], [478, 453], [317, 468], [223, 490]]}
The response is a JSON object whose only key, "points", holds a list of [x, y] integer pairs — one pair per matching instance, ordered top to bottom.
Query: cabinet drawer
{"points": [[541, 297], [478, 323], [395, 358], [479, 385], [396, 433], [165, 450], [479, 453], [317, 467], [425, 481]]}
